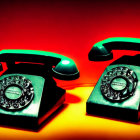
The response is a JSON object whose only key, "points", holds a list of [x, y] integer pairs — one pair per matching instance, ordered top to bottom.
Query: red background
{"points": [[69, 28]]}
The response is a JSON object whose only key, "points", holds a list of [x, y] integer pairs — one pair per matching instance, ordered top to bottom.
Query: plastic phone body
{"points": [[117, 92], [28, 93]]}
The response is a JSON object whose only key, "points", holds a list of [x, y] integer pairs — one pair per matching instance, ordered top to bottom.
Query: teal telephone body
{"points": [[28, 92], [117, 92]]}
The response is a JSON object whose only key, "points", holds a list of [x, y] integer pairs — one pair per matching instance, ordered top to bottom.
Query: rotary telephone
{"points": [[28, 92], [117, 92]]}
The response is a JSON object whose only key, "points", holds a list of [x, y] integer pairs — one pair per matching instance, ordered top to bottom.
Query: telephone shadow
{"points": [[68, 100], [114, 119]]}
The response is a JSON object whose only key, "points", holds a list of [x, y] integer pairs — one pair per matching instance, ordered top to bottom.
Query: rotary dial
{"points": [[118, 84], [16, 92]]}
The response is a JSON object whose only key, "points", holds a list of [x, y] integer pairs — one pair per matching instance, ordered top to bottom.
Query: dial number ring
{"points": [[118, 84], [16, 92]]}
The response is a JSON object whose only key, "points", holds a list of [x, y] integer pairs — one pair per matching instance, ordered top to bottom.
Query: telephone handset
{"points": [[102, 50], [64, 68], [28, 92], [116, 93]]}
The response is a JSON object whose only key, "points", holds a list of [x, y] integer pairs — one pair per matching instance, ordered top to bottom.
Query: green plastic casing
{"points": [[102, 51], [64, 67], [46, 100], [127, 109]]}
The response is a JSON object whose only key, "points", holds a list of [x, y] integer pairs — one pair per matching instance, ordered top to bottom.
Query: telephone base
{"points": [[124, 108], [112, 112], [35, 123]]}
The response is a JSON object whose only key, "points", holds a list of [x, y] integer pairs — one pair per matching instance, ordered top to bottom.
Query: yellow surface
{"points": [[71, 122]]}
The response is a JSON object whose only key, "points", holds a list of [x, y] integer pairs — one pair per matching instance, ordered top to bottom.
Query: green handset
{"points": [[28, 92], [116, 93]]}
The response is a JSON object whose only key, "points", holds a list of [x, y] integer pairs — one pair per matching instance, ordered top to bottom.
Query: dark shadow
{"points": [[70, 98], [53, 116], [113, 119], [48, 120]]}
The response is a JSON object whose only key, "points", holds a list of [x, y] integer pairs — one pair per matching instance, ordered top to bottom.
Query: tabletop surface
{"points": [[72, 122]]}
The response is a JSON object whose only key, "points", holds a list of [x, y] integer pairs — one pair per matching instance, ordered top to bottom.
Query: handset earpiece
{"points": [[102, 50], [64, 68]]}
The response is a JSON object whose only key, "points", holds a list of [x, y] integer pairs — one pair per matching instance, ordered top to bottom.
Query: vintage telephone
{"points": [[28, 92], [117, 92]]}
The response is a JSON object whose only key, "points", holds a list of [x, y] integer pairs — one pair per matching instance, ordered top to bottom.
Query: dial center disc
{"points": [[118, 84], [13, 92]]}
